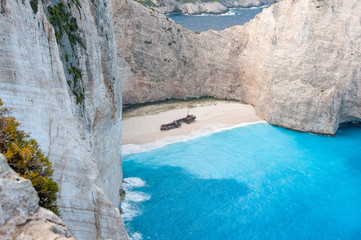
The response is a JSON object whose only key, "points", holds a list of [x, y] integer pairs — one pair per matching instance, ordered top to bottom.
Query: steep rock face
{"points": [[246, 3], [198, 8], [167, 60], [297, 62], [301, 66], [83, 140], [20, 215]]}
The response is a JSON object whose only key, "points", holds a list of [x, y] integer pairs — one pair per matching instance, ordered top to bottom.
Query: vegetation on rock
{"points": [[146, 3], [34, 5], [63, 22], [67, 33], [24, 155]]}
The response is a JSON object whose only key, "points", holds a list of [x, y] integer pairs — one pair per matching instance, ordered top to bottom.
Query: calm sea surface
{"points": [[236, 16], [254, 182]]}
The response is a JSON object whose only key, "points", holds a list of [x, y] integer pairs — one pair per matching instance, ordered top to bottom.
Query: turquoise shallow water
{"points": [[254, 182]]}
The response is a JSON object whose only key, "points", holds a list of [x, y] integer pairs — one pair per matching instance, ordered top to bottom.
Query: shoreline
{"points": [[224, 12], [141, 127], [203, 132]]}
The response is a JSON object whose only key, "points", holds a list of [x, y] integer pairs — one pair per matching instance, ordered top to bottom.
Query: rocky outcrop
{"points": [[246, 3], [199, 7], [169, 61], [296, 62], [300, 67], [81, 135], [20, 215]]}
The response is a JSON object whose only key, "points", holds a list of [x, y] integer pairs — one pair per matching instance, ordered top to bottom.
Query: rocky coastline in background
{"points": [[194, 7], [296, 62]]}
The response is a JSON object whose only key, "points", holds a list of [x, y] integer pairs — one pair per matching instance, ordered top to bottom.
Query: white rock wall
{"points": [[297, 62], [301, 64], [82, 143], [20, 215]]}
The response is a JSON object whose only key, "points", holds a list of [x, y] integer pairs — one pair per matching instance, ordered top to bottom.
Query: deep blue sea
{"points": [[236, 16], [253, 182]]}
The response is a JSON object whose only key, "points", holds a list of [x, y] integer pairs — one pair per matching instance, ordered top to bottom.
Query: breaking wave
{"points": [[130, 205]]}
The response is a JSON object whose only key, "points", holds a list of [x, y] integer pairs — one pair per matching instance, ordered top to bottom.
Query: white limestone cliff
{"points": [[198, 8], [167, 60], [296, 62], [300, 67], [83, 141], [20, 215]]}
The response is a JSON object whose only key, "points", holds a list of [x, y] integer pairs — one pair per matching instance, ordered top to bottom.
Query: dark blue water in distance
{"points": [[236, 16], [253, 182]]}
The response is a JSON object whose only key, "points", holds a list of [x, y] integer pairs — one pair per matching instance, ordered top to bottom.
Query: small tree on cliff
{"points": [[24, 155]]}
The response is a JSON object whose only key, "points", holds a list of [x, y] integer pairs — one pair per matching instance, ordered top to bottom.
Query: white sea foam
{"points": [[259, 7], [219, 14], [228, 14], [203, 132], [132, 182], [135, 196], [133, 199], [129, 211], [136, 236]]}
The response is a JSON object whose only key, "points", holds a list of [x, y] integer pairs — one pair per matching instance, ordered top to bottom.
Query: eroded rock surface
{"points": [[198, 8], [169, 61], [297, 62], [300, 66], [81, 137], [20, 215]]}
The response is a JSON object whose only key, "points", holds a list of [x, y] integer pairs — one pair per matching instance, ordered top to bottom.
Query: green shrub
{"points": [[77, 3], [147, 3], [34, 5], [63, 22], [171, 42], [76, 87], [24, 155]]}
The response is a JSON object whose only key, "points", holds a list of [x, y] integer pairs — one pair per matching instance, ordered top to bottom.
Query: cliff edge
{"points": [[296, 62], [300, 67], [58, 68]]}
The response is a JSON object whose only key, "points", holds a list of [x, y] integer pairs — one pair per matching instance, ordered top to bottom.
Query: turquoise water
{"points": [[236, 16], [254, 182]]}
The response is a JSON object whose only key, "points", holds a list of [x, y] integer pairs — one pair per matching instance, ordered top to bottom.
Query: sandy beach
{"points": [[142, 125]]}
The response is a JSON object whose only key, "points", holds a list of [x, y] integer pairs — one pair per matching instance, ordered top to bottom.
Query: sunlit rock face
{"points": [[167, 60], [296, 62], [301, 67], [82, 139], [20, 215]]}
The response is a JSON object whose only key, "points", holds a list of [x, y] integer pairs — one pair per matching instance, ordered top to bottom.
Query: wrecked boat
{"points": [[177, 123]]}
